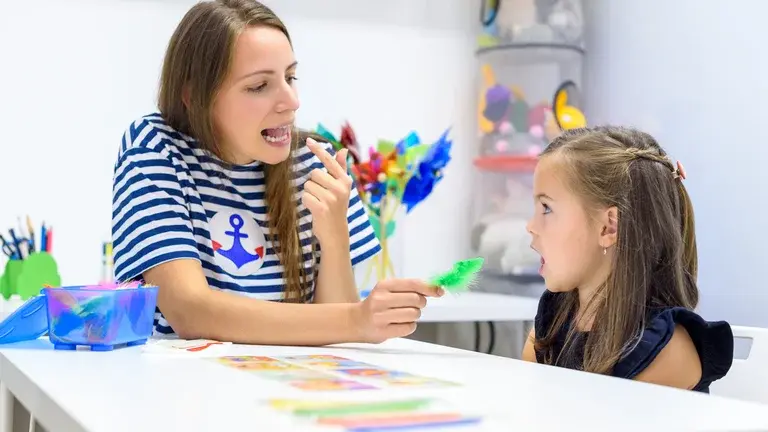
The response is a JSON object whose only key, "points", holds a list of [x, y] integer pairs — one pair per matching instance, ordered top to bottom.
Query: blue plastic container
{"points": [[84, 316], [98, 318], [28, 322]]}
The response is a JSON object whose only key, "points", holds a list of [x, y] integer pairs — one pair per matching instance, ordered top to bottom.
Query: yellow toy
{"points": [[567, 116], [486, 126]]}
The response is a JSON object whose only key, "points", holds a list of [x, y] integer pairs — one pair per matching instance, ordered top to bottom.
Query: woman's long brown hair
{"points": [[196, 64], [655, 263]]}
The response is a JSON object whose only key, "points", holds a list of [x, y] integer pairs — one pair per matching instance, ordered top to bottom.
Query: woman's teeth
{"points": [[276, 135]]}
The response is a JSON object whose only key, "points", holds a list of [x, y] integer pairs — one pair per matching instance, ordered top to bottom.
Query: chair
{"points": [[748, 377]]}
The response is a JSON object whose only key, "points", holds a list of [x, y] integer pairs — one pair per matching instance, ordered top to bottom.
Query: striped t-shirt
{"points": [[172, 200]]}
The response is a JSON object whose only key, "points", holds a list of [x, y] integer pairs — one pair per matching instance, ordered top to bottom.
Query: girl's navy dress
{"points": [[713, 340]]}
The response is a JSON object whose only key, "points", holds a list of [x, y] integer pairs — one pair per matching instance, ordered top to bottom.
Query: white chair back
{"points": [[748, 377]]}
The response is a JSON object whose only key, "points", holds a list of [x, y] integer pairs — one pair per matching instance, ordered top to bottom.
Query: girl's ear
{"points": [[609, 221]]}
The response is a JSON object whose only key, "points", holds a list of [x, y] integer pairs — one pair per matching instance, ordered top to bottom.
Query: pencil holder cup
{"points": [[28, 276], [9, 277]]}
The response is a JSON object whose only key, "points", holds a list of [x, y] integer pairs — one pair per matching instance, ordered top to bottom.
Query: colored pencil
{"points": [[31, 237], [43, 238], [49, 240]]}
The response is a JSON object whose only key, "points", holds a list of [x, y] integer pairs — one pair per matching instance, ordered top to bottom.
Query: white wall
{"points": [[693, 72], [72, 82]]}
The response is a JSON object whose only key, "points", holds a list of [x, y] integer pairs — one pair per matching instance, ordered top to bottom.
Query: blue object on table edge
{"points": [[105, 318], [28, 322]]}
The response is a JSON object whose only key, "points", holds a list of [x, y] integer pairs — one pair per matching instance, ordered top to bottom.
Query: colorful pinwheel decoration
{"points": [[396, 174]]}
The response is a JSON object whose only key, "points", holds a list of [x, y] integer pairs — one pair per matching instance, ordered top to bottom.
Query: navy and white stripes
{"points": [[172, 200]]}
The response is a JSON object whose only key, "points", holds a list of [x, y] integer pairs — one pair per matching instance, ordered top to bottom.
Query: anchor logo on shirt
{"points": [[237, 254]]}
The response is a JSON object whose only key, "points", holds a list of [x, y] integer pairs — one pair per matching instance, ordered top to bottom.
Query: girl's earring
{"points": [[605, 251]]}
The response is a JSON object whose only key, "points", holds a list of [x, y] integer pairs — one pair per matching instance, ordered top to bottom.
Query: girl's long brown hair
{"points": [[196, 64], [655, 263]]}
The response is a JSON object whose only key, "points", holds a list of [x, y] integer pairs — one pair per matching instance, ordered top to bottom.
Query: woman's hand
{"points": [[326, 195], [392, 309]]}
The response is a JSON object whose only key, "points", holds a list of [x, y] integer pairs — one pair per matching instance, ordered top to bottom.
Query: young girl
{"points": [[223, 205], [614, 226]]}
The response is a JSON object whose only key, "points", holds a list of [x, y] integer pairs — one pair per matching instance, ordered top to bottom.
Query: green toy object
{"points": [[10, 275], [28, 276], [460, 277]]}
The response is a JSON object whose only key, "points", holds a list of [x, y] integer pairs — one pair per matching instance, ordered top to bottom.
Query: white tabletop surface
{"points": [[480, 306], [127, 391]]}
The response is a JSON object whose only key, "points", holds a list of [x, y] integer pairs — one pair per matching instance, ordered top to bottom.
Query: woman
{"points": [[219, 202]]}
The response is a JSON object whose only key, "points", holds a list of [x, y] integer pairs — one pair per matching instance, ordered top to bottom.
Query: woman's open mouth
{"points": [[277, 137]]}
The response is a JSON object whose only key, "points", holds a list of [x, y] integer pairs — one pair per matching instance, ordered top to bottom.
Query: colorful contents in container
{"points": [[511, 125], [100, 316], [381, 415]]}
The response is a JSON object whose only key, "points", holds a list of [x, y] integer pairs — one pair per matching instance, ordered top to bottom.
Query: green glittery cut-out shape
{"points": [[460, 277]]}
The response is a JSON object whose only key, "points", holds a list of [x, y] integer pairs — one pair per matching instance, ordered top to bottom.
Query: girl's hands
{"points": [[326, 195], [392, 309]]}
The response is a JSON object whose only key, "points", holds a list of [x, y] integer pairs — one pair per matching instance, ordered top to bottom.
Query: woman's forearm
{"points": [[336, 279], [195, 311], [228, 317]]}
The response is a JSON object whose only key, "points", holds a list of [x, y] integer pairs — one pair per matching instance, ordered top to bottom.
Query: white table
{"points": [[480, 306], [127, 391]]}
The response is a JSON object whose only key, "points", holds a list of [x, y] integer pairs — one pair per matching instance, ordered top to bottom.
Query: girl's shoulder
{"points": [[713, 341]]}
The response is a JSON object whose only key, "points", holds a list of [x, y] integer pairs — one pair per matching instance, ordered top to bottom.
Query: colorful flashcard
{"points": [[311, 357], [249, 359], [325, 362], [261, 366], [327, 373], [374, 373], [290, 376], [396, 378], [418, 381], [333, 384], [381, 415], [399, 421]]}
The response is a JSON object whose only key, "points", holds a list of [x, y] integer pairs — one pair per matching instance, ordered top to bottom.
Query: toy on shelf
{"points": [[540, 22], [564, 107], [508, 123], [395, 175], [98, 316]]}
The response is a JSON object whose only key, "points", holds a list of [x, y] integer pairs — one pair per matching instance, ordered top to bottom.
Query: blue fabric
{"points": [[713, 341]]}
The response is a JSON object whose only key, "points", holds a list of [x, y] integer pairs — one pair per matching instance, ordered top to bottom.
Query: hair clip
{"points": [[679, 172]]}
